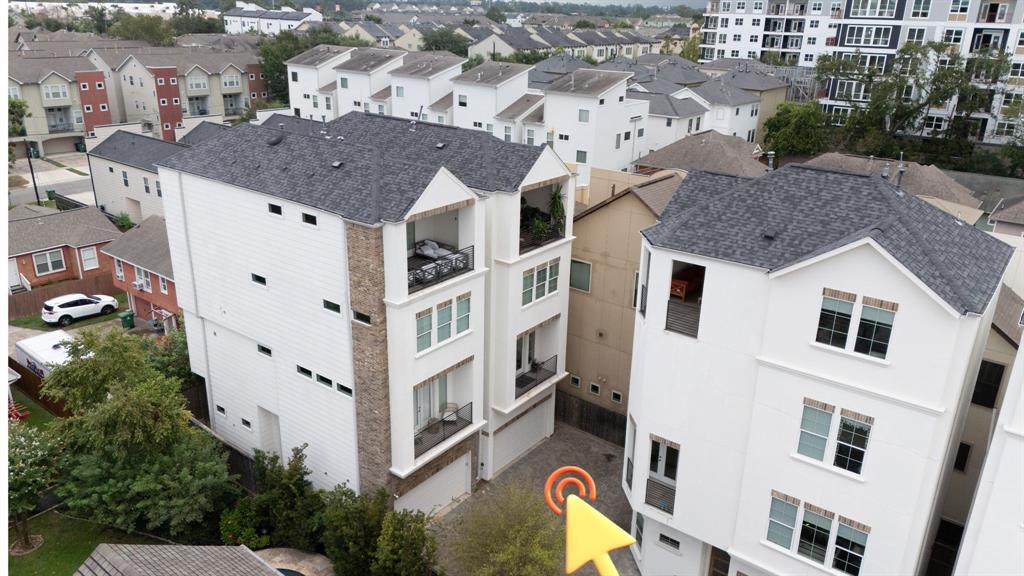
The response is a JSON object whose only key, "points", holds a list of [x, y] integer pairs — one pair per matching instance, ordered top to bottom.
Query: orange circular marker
{"points": [[585, 487]]}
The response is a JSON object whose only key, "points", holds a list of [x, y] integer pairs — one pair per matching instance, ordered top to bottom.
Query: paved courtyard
{"points": [[567, 446]]}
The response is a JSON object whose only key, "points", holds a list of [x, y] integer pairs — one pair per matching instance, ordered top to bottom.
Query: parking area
{"points": [[567, 446]]}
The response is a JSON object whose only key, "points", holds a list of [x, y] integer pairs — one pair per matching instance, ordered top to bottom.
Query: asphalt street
{"points": [[26, 194]]}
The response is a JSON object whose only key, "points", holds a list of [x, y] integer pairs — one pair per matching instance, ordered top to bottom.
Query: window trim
{"points": [[96, 257], [49, 262], [590, 275]]}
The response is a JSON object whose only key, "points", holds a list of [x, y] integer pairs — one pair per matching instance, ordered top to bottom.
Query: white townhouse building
{"points": [[248, 18], [312, 81], [364, 82], [422, 87], [483, 92], [731, 111], [670, 119], [124, 174], [396, 296], [805, 352], [993, 539]]}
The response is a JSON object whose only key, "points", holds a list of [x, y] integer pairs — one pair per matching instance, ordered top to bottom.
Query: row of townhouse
{"points": [[248, 18], [798, 31], [600, 45], [69, 96], [592, 117], [435, 322], [800, 360]]}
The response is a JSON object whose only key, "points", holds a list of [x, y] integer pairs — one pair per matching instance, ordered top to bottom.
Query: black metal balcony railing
{"points": [[233, 111], [60, 127], [530, 239], [424, 272], [683, 317], [538, 373], [447, 425], [629, 472], [661, 495]]}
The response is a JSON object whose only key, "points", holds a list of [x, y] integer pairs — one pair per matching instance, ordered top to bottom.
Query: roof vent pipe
{"points": [[771, 160], [885, 171], [899, 173]]}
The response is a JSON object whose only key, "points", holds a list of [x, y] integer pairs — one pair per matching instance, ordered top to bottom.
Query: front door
{"points": [[525, 345], [664, 461]]}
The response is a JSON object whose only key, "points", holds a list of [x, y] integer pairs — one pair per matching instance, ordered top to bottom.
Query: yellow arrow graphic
{"points": [[589, 536]]}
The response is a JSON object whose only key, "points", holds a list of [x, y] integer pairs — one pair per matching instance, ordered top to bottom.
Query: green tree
{"points": [[496, 14], [373, 18], [98, 19], [470, 22], [584, 24], [623, 24], [147, 28], [446, 39], [691, 48], [275, 51], [589, 59], [472, 62], [254, 106], [17, 111], [797, 129], [169, 355], [31, 468], [351, 526], [510, 532], [405, 546]]}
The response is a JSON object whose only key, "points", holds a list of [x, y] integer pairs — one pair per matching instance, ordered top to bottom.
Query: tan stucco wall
{"points": [[770, 102], [604, 183], [600, 334]]}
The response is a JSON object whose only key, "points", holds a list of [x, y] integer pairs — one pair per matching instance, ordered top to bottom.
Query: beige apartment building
{"points": [[602, 300]]}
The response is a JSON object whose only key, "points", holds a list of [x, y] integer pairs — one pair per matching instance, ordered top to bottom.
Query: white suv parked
{"points": [[63, 310]]}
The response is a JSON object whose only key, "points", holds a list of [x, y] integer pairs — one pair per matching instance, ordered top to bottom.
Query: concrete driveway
{"points": [[16, 334], [567, 446]]}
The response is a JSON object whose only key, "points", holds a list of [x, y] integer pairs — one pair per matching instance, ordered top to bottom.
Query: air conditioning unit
{"points": [[138, 284]]}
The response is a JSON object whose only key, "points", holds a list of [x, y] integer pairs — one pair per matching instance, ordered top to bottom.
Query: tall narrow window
{"points": [[552, 276], [527, 287], [462, 306], [444, 321], [834, 321], [424, 323], [875, 328], [814, 428], [852, 442], [781, 522], [814, 533], [850, 546]]}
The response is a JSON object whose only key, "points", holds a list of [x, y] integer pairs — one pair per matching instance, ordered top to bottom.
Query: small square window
{"points": [[84, 85], [99, 85], [103, 108], [110, 169], [274, 209], [309, 219], [262, 281], [336, 308], [360, 317], [264, 350], [304, 371], [325, 380], [574, 380], [343, 389], [595, 389], [616, 396], [221, 410], [246, 424], [963, 454]]}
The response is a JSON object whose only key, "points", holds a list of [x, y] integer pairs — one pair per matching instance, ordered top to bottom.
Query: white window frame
{"points": [[60, 89], [87, 253], [49, 262], [118, 269], [590, 274], [147, 282], [163, 284]]}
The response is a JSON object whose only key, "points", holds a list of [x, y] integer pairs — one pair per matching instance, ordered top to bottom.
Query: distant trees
{"points": [[495, 14], [373, 18], [99, 19], [584, 24], [623, 24], [145, 27], [446, 39], [691, 48], [473, 62]]}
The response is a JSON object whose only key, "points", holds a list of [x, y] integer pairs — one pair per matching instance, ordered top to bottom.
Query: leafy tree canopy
{"points": [[495, 14], [584, 24], [148, 28], [446, 39], [276, 50], [797, 129]]}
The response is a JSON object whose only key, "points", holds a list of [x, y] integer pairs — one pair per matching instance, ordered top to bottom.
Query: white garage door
{"points": [[521, 435], [438, 491]]}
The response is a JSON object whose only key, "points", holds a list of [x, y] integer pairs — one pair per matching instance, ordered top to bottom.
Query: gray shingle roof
{"points": [[557, 38], [521, 39], [318, 55], [185, 59], [369, 59], [427, 64], [668, 68], [34, 70], [492, 73], [753, 80], [588, 81], [717, 92], [443, 103], [665, 105], [521, 106], [201, 132], [136, 150], [709, 151], [387, 162], [658, 192], [28, 211], [810, 211], [78, 227], [145, 246], [1009, 308], [173, 560]]}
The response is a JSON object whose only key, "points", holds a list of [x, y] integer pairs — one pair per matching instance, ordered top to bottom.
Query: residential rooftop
{"points": [[317, 55], [369, 59], [427, 64], [26, 70], [492, 73], [588, 81], [717, 92], [522, 105], [670, 106], [204, 130], [136, 150], [709, 151], [799, 212], [78, 227], [145, 246], [173, 560]]}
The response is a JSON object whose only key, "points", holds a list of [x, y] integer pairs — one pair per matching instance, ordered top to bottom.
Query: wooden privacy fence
{"points": [[65, 203], [31, 302], [30, 383], [591, 418]]}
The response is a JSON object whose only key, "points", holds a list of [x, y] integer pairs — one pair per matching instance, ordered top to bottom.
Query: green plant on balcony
{"points": [[556, 208], [539, 228]]}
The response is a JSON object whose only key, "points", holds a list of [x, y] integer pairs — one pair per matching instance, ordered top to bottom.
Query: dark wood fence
{"points": [[65, 203], [31, 302], [30, 383], [195, 400], [591, 418]]}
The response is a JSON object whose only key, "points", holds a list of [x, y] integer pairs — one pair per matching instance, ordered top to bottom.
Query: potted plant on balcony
{"points": [[556, 208], [539, 228]]}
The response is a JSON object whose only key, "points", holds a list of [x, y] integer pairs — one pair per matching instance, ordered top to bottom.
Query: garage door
{"points": [[515, 439], [438, 491]]}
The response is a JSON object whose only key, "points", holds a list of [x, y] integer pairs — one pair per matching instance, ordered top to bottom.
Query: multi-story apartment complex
{"points": [[248, 18], [788, 31], [67, 97], [433, 308], [813, 337]]}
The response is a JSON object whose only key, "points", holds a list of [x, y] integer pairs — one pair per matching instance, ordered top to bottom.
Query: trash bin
{"points": [[80, 146], [35, 152], [51, 194], [127, 319]]}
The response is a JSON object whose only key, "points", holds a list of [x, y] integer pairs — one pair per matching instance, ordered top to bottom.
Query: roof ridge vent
{"points": [[440, 145]]}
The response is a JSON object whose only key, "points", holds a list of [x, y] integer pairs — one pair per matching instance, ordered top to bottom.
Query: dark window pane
{"points": [[834, 322], [874, 331], [986, 388], [963, 453], [655, 455], [671, 462], [814, 537]]}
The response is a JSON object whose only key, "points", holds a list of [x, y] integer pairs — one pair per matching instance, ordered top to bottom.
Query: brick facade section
{"points": [[256, 85], [94, 97], [170, 113], [26, 266], [142, 302], [370, 368]]}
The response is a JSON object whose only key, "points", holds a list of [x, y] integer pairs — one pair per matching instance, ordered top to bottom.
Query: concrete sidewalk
{"points": [[47, 173]]}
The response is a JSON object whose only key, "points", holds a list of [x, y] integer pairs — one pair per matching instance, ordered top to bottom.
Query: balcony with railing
{"points": [[995, 13], [59, 127], [541, 217], [439, 246], [449, 263], [686, 293], [537, 373], [450, 420], [660, 494]]}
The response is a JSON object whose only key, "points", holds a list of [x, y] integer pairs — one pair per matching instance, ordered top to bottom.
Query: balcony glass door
{"points": [[525, 344], [430, 398], [664, 462]]}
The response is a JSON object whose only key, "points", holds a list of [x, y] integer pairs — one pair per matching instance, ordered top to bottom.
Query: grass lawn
{"points": [[16, 181], [36, 323], [37, 415], [67, 544]]}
